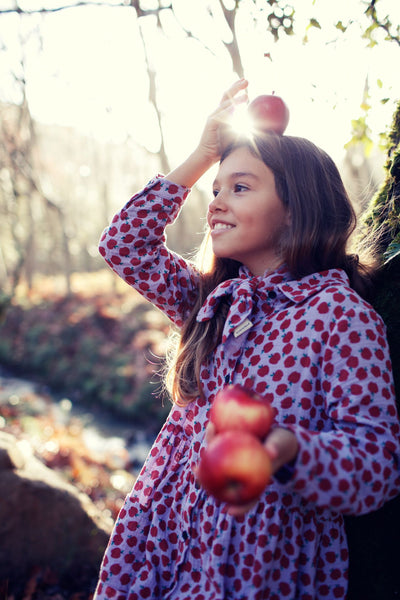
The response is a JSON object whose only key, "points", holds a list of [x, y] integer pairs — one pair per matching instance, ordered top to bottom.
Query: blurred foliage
{"points": [[280, 19], [380, 23], [360, 130], [99, 346], [57, 438]]}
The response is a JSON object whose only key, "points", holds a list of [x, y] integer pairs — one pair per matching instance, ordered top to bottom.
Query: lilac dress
{"points": [[319, 353]]}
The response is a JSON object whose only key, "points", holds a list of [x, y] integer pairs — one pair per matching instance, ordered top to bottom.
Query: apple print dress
{"points": [[319, 353]]}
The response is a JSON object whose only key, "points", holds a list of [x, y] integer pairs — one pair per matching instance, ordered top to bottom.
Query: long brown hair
{"points": [[322, 220]]}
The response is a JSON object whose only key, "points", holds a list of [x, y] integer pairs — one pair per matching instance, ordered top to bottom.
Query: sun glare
{"points": [[100, 90], [241, 123]]}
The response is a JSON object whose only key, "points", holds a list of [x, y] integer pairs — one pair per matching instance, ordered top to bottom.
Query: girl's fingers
{"points": [[231, 92], [232, 102], [226, 108], [220, 119], [217, 134], [210, 433], [282, 446], [238, 511]]}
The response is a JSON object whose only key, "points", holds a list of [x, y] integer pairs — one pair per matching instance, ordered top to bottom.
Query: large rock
{"points": [[44, 521]]}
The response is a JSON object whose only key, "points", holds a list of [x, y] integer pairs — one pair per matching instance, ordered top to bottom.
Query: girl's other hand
{"points": [[217, 133], [282, 447]]}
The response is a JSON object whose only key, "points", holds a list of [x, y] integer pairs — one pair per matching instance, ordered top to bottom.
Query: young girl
{"points": [[279, 311]]}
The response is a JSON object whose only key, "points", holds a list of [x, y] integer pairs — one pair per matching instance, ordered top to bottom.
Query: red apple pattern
{"points": [[319, 354]]}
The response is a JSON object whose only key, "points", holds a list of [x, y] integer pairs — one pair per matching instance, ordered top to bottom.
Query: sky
{"points": [[90, 72]]}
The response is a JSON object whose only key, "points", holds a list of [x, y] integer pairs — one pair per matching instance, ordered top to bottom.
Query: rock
{"points": [[45, 522]]}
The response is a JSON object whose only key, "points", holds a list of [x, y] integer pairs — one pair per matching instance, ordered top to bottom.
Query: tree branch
{"points": [[133, 4], [385, 25], [233, 46]]}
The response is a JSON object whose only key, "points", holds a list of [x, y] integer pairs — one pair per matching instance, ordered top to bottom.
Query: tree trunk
{"points": [[374, 572]]}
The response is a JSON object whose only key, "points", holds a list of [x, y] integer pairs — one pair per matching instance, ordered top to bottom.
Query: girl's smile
{"points": [[246, 217], [218, 225]]}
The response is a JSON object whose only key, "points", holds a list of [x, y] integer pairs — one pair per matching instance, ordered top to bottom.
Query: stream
{"points": [[103, 433]]}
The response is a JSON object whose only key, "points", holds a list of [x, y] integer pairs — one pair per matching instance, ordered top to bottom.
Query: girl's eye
{"points": [[240, 188], [215, 193]]}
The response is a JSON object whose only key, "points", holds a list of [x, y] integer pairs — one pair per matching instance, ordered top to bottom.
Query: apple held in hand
{"points": [[269, 113], [237, 408], [235, 467]]}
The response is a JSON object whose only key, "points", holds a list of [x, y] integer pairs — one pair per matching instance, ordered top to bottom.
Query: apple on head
{"points": [[269, 113], [235, 467]]}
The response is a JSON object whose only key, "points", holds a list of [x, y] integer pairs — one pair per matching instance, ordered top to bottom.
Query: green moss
{"points": [[381, 222]]}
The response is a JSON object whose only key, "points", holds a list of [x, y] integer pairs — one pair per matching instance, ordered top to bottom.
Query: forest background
{"points": [[98, 96]]}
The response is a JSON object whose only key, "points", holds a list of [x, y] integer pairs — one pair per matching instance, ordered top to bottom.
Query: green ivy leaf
{"points": [[314, 23], [339, 25], [392, 251]]}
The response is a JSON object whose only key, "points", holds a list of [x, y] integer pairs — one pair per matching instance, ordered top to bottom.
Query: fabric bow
{"points": [[241, 290], [244, 291]]}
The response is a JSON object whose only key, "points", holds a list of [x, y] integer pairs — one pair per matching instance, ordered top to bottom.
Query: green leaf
{"points": [[314, 23], [339, 25], [365, 106], [392, 251]]}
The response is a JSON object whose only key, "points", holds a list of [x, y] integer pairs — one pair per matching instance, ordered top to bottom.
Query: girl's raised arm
{"points": [[134, 244]]}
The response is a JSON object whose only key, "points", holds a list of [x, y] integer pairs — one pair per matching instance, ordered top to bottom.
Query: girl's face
{"points": [[247, 218]]}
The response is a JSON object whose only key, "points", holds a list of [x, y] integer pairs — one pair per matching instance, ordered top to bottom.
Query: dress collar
{"points": [[269, 288], [298, 290]]}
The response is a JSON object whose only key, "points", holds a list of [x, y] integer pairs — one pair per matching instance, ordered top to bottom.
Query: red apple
{"points": [[269, 113], [237, 408], [234, 467]]}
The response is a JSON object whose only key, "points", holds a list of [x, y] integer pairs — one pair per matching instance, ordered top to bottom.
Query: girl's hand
{"points": [[217, 133], [215, 138], [282, 446]]}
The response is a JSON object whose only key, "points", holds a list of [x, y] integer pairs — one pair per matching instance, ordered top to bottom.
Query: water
{"points": [[102, 433]]}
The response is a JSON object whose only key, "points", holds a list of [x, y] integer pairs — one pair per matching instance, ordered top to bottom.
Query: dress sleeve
{"points": [[134, 245], [355, 466]]}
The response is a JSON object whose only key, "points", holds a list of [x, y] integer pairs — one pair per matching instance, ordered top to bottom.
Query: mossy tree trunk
{"points": [[382, 223], [374, 539]]}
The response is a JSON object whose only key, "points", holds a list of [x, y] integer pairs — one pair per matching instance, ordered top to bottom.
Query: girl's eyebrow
{"points": [[237, 175]]}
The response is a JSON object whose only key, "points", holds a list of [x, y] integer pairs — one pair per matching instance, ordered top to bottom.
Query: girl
{"points": [[278, 311]]}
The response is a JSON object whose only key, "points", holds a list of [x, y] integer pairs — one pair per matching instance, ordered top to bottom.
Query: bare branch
{"points": [[133, 4], [385, 24], [233, 46]]}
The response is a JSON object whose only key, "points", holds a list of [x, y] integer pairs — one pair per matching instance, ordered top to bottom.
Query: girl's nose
{"points": [[218, 203]]}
